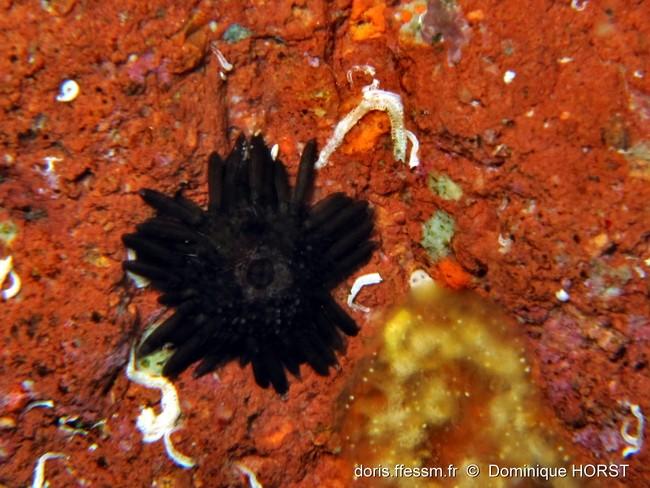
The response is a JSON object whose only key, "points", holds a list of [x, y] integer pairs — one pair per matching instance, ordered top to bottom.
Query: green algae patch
{"points": [[235, 33], [638, 156], [443, 186], [8, 232], [437, 233], [449, 385]]}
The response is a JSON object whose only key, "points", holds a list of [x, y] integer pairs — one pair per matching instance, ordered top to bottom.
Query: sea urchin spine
{"points": [[250, 277]]}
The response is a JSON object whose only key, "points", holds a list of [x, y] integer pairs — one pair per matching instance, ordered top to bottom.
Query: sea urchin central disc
{"points": [[260, 273], [264, 274], [249, 277]]}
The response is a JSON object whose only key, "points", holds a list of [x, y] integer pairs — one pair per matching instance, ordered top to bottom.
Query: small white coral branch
{"points": [[374, 99], [6, 269], [360, 282], [154, 427], [635, 442], [38, 480]]}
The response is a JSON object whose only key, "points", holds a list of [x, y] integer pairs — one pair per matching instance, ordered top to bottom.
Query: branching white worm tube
{"points": [[375, 99], [154, 427]]}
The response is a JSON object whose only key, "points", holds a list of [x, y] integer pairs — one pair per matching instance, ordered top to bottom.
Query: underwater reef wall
{"points": [[529, 187]]}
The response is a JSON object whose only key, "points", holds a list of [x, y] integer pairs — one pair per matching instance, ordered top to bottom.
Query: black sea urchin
{"points": [[250, 277]]}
